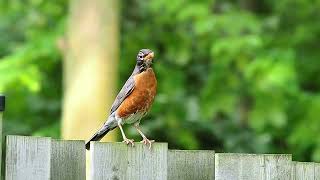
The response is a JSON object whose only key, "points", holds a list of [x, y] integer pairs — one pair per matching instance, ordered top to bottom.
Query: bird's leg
{"points": [[125, 139], [145, 140]]}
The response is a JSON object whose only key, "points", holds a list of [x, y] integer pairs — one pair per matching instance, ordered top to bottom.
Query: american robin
{"points": [[133, 101]]}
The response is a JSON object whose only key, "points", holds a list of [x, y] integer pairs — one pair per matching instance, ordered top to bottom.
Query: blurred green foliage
{"points": [[30, 65], [234, 75]]}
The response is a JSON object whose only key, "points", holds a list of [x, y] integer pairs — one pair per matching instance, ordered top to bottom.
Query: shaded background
{"points": [[233, 75]]}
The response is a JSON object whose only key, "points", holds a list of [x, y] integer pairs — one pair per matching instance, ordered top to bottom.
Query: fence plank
{"points": [[2, 108], [1, 114], [28, 158], [68, 160], [119, 161], [190, 165], [239, 166], [252, 166], [278, 166], [305, 171], [317, 171]]}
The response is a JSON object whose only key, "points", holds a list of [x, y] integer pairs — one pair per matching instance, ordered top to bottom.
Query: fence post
{"points": [[2, 107], [28, 158], [68, 160], [119, 161], [190, 165], [252, 166]]}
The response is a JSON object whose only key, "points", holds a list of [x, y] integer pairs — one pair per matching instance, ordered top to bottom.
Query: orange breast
{"points": [[141, 99]]}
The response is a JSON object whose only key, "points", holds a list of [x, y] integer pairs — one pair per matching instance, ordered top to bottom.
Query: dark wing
{"points": [[123, 94]]}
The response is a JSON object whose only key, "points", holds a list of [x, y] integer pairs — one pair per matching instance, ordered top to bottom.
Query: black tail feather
{"points": [[98, 135]]}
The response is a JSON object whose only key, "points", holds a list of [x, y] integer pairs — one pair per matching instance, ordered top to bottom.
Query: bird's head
{"points": [[145, 58]]}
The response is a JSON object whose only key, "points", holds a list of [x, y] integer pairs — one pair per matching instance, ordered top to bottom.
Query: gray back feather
{"points": [[125, 91]]}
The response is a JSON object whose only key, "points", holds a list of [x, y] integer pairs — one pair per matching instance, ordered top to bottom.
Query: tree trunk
{"points": [[90, 67]]}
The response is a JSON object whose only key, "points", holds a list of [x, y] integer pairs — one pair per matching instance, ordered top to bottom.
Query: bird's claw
{"points": [[129, 141], [147, 141]]}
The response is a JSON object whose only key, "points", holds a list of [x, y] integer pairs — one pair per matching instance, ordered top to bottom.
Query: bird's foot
{"points": [[128, 141], [147, 142]]}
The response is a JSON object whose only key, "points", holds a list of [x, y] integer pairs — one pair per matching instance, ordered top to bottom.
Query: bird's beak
{"points": [[149, 56]]}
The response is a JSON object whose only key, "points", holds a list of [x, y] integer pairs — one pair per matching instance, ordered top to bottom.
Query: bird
{"points": [[133, 101]]}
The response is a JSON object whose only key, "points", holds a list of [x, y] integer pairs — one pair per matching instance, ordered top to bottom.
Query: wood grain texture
{"points": [[1, 115], [27, 158], [68, 160], [117, 161], [190, 165], [239, 166], [252, 166], [277, 166], [305, 171], [317, 171]]}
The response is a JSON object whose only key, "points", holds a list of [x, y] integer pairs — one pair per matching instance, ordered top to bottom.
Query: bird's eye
{"points": [[140, 56]]}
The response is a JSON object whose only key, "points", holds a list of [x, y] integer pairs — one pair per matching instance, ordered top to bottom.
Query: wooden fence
{"points": [[40, 158]]}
